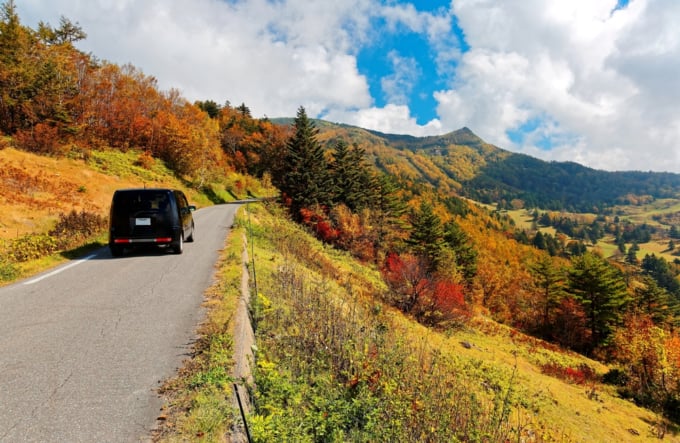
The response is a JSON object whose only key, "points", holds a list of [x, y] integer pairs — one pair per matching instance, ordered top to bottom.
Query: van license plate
{"points": [[143, 222]]}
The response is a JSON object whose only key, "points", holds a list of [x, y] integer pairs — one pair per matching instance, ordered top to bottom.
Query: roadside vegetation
{"points": [[336, 363]]}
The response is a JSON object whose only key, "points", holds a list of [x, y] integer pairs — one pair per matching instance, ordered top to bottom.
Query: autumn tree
{"points": [[17, 69], [408, 280], [414, 290], [601, 290], [650, 356]]}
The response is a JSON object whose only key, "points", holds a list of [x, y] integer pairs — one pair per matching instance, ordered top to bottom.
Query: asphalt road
{"points": [[84, 347]]}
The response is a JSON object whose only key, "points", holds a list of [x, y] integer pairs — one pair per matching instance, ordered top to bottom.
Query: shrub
{"points": [[41, 139], [145, 160], [74, 228], [30, 247], [8, 270], [331, 370], [580, 375]]}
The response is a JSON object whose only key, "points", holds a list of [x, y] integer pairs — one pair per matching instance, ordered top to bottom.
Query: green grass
{"points": [[126, 165], [502, 374]]}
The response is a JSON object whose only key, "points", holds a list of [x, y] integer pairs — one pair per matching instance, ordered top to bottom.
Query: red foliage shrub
{"points": [[41, 139], [320, 225], [413, 290], [449, 296], [580, 375]]}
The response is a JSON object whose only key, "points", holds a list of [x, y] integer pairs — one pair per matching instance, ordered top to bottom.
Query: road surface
{"points": [[84, 347]]}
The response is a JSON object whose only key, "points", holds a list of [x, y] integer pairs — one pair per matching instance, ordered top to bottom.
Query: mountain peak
{"points": [[463, 136]]}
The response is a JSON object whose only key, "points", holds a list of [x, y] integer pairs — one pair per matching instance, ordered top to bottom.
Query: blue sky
{"points": [[592, 81]]}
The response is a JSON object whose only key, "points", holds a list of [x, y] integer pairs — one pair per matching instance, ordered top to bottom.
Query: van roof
{"points": [[145, 189]]}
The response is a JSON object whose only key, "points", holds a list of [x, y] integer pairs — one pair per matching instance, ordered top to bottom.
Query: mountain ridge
{"points": [[463, 164]]}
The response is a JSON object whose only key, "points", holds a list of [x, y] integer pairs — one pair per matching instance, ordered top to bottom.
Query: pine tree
{"points": [[306, 179], [353, 183], [386, 210], [427, 235], [465, 253], [549, 280], [601, 290], [656, 302]]}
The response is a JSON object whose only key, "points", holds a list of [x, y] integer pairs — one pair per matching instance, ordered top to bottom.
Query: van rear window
{"points": [[132, 202]]}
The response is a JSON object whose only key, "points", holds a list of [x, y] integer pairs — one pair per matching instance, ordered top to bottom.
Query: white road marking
{"points": [[57, 271]]}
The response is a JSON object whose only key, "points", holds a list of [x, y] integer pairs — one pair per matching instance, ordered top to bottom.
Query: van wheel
{"points": [[190, 238], [178, 248], [116, 251]]}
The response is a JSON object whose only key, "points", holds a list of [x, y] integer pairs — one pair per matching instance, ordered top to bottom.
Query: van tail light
{"points": [[142, 240]]}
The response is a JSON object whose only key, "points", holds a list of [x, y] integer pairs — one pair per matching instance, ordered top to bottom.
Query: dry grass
{"points": [[34, 190]]}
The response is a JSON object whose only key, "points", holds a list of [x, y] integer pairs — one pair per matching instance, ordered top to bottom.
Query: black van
{"points": [[150, 217]]}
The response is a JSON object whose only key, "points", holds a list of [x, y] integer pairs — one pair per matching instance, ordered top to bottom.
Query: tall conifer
{"points": [[305, 179], [352, 179], [427, 235], [601, 290]]}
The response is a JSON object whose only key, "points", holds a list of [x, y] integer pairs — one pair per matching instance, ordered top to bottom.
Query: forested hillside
{"points": [[463, 164], [393, 204]]}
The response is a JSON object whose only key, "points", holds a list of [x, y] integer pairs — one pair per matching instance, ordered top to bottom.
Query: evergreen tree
{"points": [[209, 107], [306, 179], [352, 180], [386, 212], [674, 232], [427, 235], [539, 241], [466, 255], [631, 256], [659, 269], [550, 282], [601, 290], [655, 301]]}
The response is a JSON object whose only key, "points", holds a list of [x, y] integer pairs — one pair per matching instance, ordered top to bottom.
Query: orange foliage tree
{"points": [[650, 356]]}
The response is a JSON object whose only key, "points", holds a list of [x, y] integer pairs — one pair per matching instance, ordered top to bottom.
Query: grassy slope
{"points": [[35, 189], [563, 411]]}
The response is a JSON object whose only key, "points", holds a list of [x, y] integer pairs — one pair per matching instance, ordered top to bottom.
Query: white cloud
{"points": [[274, 56], [609, 79], [601, 84], [398, 86], [391, 119]]}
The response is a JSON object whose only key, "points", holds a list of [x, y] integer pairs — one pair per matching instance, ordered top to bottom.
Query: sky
{"points": [[591, 81]]}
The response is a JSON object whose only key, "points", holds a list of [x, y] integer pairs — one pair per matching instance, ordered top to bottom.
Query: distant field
{"points": [[523, 219]]}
